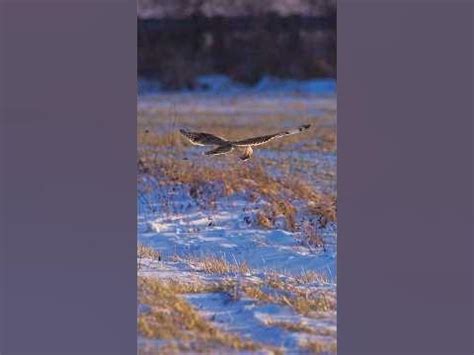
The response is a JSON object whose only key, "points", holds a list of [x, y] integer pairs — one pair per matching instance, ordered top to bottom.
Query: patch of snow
{"points": [[191, 233], [253, 321]]}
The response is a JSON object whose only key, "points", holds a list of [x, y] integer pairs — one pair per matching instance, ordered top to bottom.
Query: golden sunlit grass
{"points": [[158, 127], [322, 139], [252, 178], [267, 216], [263, 220], [311, 235], [144, 252], [213, 264], [219, 265], [307, 277], [197, 286], [273, 289], [255, 291], [299, 298], [302, 302], [318, 302], [170, 317], [300, 327], [320, 347]]}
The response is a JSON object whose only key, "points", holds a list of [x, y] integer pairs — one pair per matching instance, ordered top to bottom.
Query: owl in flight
{"points": [[224, 146]]}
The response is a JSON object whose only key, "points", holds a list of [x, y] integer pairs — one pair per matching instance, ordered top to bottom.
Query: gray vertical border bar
{"points": [[68, 159], [405, 177], [3, 240]]}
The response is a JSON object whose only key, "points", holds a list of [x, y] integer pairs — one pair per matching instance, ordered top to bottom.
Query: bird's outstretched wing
{"points": [[201, 138], [264, 139], [223, 149]]}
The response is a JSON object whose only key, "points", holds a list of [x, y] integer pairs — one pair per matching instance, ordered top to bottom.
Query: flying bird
{"points": [[224, 146]]}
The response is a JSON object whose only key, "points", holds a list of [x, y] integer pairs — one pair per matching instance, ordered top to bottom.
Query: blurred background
{"points": [[180, 41]]}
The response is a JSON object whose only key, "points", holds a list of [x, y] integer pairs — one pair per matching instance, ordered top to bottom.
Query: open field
{"points": [[237, 257]]}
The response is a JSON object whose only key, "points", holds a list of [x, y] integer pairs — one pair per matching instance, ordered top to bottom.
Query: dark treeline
{"points": [[176, 51]]}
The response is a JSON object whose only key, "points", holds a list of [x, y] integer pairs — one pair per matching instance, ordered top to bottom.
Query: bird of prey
{"points": [[224, 146]]}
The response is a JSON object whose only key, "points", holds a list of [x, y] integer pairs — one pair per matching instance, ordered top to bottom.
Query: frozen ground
{"points": [[188, 227]]}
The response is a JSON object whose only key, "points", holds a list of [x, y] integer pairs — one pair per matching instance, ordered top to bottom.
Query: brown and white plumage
{"points": [[201, 138], [225, 146], [222, 149], [247, 153]]}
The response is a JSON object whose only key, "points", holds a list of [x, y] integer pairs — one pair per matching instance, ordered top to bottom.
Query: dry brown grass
{"points": [[156, 130], [158, 140], [251, 178], [270, 213], [263, 220], [311, 236], [144, 252], [219, 265], [307, 277], [294, 282], [197, 286], [275, 288], [255, 291], [303, 302], [318, 302], [170, 317], [300, 327], [173, 347], [320, 347]]}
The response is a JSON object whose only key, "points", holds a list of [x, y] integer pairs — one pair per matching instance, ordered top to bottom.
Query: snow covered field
{"points": [[247, 250]]}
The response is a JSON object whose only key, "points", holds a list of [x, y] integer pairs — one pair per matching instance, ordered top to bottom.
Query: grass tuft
{"points": [[144, 252], [219, 265], [170, 317], [300, 327], [320, 347]]}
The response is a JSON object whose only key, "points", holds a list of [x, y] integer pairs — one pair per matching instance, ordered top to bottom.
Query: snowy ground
{"points": [[187, 228]]}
